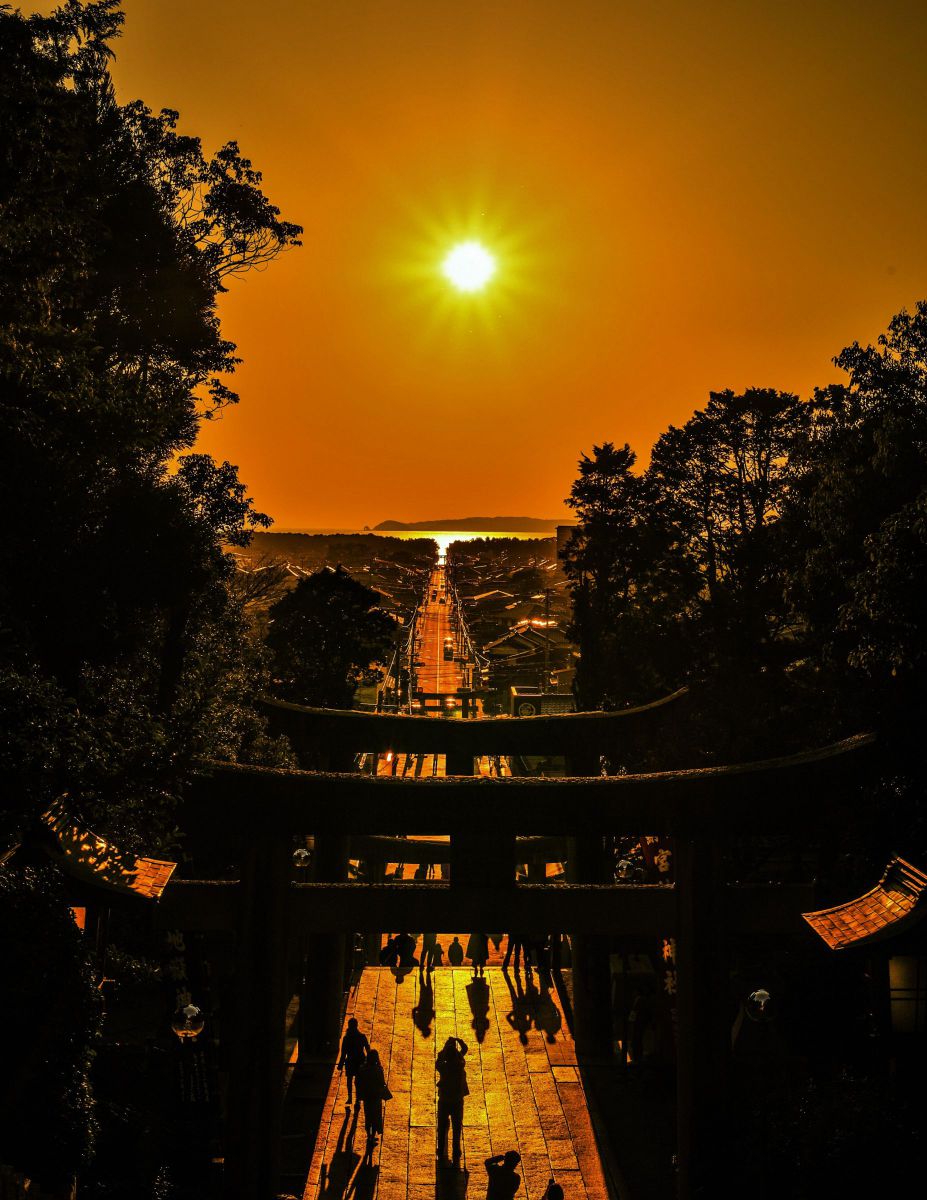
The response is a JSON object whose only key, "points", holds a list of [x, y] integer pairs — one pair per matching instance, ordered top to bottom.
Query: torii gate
{"points": [[261, 809]]}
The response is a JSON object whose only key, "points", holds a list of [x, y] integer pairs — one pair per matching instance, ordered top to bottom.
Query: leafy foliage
{"points": [[773, 555], [327, 635], [124, 649], [50, 1014]]}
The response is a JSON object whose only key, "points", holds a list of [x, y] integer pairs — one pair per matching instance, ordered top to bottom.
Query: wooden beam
{"points": [[359, 731], [775, 795], [378, 848], [643, 909]]}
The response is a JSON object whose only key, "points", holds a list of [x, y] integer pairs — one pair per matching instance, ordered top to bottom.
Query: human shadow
{"points": [[478, 998], [424, 1012], [547, 1016], [521, 1017], [337, 1174], [364, 1184], [451, 1184]]}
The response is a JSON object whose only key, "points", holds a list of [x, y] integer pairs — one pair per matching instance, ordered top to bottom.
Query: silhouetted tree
{"points": [[722, 480], [857, 518], [631, 588], [117, 629], [327, 635], [123, 653]]}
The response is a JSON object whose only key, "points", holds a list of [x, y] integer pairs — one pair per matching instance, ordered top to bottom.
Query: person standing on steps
{"points": [[354, 1049], [452, 1089]]}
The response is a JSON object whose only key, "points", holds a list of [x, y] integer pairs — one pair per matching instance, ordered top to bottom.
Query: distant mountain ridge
{"points": [[475, 525]]}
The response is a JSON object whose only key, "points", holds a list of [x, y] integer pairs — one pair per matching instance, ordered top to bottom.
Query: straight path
{"points": [[437, 674], [525, 1092]]}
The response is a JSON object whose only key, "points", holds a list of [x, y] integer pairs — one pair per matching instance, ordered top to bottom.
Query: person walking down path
{"points": [[429, 942], [517, 945], [478, 952], [455, 954], [354, 1049], [452, 1089], [372, 1090], [504, 1181]]}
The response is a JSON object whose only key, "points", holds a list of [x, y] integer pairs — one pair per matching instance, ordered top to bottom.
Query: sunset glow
{"points": [[643, 227], [469, 267]]}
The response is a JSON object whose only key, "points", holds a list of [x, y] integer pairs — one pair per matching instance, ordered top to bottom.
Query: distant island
{"points": [[476, 525]]}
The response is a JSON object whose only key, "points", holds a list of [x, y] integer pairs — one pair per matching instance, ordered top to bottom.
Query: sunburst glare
{"points": [[469, 267]]}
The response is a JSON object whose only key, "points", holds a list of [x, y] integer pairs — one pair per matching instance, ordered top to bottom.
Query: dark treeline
{"points": [[773, 555], [124, 649]]}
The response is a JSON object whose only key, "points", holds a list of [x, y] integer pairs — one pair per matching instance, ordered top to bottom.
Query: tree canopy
{"points": [[117, 233], [773, 554], [327, 636]]}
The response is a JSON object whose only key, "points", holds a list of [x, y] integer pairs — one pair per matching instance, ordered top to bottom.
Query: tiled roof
{"points": [[86, 855], [899, 899]]}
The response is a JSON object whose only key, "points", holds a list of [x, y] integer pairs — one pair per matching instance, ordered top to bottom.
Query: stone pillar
{"points": [[323, 981], [703, 1021], [257, 1066]]}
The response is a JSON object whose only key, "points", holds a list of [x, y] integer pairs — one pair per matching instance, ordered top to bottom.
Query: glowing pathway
{"points": [[525, 1093]]}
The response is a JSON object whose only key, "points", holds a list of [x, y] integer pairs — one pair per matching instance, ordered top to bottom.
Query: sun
{"points": [[468, 267]]}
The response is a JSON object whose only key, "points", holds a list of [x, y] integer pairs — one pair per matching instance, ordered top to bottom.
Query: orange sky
{"points": [[683, 196]]}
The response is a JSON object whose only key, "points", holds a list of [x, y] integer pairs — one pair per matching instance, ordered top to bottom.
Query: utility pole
{"points": [[546, 680]]}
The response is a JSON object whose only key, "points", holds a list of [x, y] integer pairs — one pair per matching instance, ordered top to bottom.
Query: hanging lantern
{"points": [[188, 1022]]}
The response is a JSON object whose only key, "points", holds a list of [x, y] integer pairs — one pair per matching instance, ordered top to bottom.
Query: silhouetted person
{"points": [[429, 941], [517, 946], [541, 947], [405, 948], [478, 951], [455, 954], [437, 955], [478, 997], [354, 1049], [452, 1088], [372, 1090], [504, 1181], [554, 1191]]}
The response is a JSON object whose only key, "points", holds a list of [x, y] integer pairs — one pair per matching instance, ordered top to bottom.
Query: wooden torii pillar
{"points": [[590, 972], [703, 1026], [256, 1077]]}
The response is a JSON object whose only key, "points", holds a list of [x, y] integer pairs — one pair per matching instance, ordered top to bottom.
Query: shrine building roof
{"points": [[91, 859], [898, 901]]}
